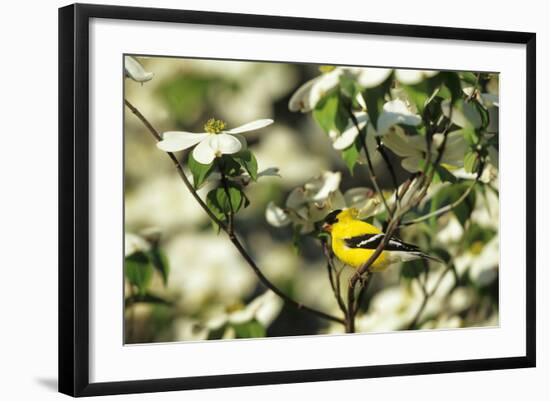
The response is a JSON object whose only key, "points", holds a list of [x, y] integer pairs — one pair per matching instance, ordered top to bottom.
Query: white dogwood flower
{"points": [[134, 70], [412, 77], [308, 95], [393, 113], [216, 141], [412, 148], [310, 203], [134, 243], [264, 309]]}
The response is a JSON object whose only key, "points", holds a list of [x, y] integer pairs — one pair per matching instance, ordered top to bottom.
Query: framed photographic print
{"points": [[250, 199]]}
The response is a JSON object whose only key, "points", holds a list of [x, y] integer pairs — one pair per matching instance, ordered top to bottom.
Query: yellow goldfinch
{"points": [[354, 241]]}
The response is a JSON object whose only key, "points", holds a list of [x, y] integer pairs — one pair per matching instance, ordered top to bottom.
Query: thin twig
{"points": [[382, 150], [177, 164], [370, 167], [225, 185], [443, 210], [232, 237], [365, 268], [334, 281], [362, 291], [427, 296]]}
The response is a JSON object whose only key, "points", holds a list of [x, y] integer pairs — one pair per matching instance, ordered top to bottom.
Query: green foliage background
{"points": [[189, 278]]}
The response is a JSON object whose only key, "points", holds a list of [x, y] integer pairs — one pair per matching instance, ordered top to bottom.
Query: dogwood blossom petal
{"points": [[135, 70], [371, 77], [412, 77], [306, 96], [299, 101], [396, 112], [251, 126], [346, 139], [173, 141], [216, 145], [404, 145], [455, 148], [204, 153], [411, 164], [324, 185], [355, 197], [296, 199], [276, 216], [134, 243], [270, 306]]}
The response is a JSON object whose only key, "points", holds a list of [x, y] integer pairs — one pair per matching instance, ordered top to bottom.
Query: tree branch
{"points": [[370, 167], [443, 210], [232, 237], [334, 283], [425, 299]]}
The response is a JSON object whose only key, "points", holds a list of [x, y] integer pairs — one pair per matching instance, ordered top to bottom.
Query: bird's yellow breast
{"points": [[356, 257]]}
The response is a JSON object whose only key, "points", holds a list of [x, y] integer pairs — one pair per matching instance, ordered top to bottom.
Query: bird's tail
{"points": [[428, 257]]}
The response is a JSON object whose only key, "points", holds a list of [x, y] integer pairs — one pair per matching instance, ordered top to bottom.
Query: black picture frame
{"points": [[74, 198]]}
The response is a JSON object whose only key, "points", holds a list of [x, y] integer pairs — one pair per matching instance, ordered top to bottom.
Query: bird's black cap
{"points": [[331, 217]]}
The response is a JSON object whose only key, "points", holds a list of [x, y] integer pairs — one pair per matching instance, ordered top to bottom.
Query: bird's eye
{"points": [[331, 217]]}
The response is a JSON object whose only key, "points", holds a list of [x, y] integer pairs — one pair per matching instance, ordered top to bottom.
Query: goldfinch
{"points": [[354, 241]]}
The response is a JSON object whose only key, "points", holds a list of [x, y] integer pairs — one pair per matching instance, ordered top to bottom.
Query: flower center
{"points": [[326, 68], [214, 126], [476, 247], [234, 307]]}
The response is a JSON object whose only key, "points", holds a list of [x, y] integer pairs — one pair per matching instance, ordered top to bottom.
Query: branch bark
{"points": [[230, 232]]}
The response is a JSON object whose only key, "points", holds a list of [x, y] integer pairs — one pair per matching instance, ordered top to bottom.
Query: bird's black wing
{"points": [[371, 241]]}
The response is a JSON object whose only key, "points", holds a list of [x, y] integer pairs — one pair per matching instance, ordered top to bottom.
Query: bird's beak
{"points": [[326, 227]]}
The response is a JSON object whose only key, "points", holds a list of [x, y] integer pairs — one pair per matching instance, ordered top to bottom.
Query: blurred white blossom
{"points": [[413, 77], [162, 202], [134, 243], [205, 268], [264, 309]]}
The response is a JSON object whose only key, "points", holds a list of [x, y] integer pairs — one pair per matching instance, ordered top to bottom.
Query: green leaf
{"points": [[469, 77], [452, 81], [348, 86], [425, 92], [419, 95], [326, 110], [483, 112], [472, 114], [470, 136], [351, 154], [247, 159], [471, 162], [230, 166], [199, 171], [445, 175], [451, 194], [225, 200], [466, 207], [476, 233], [297, 238], [441, 253], [160, 263], [412, 269], [138, 270], [146, 298], [252, 329]]}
